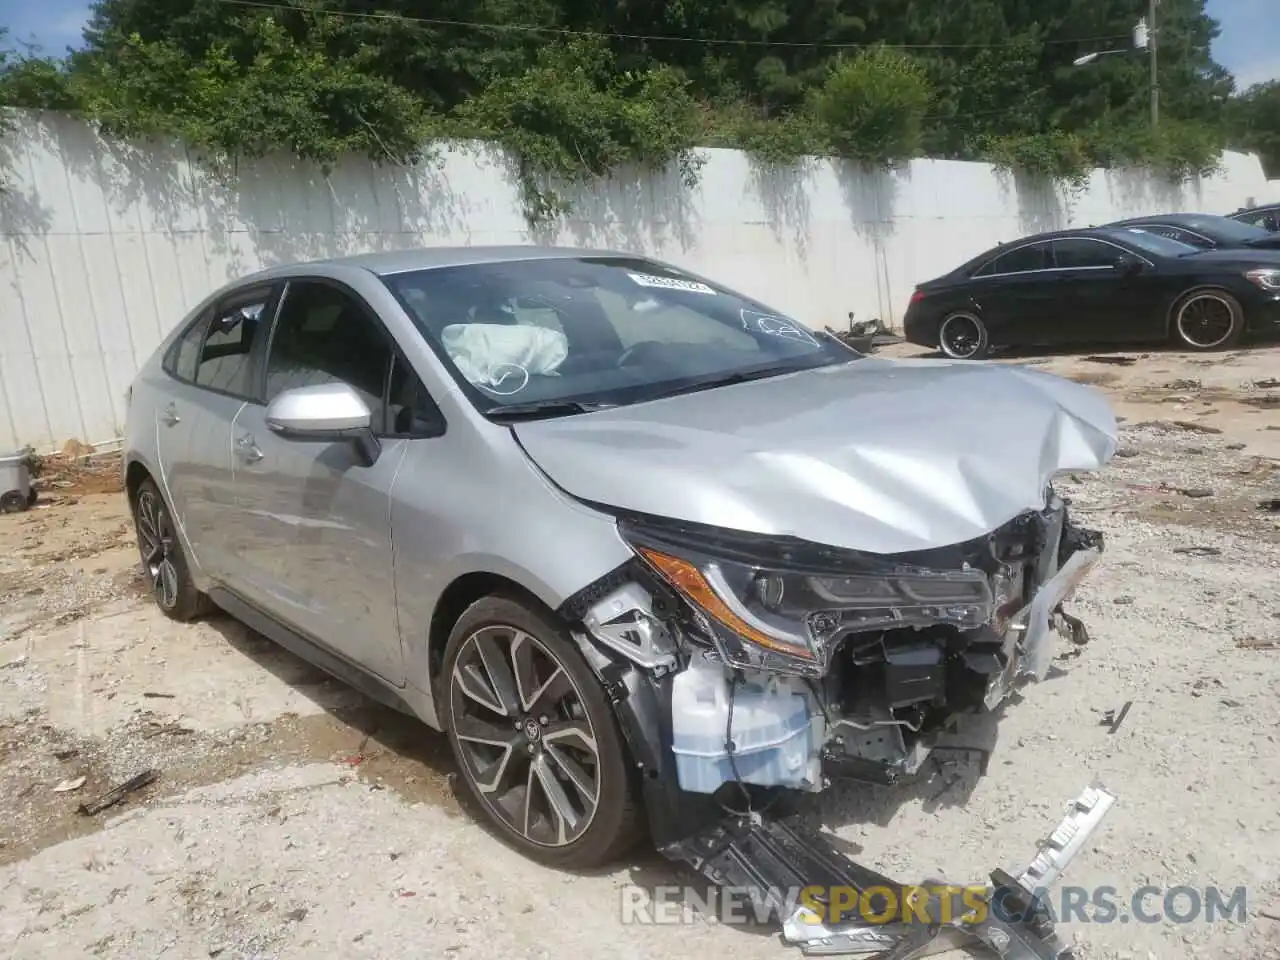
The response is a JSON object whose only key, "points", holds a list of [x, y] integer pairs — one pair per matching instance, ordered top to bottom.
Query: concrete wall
{"points": [[104, 246]]}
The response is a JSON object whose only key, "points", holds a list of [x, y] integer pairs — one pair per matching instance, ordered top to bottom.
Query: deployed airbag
{"points": [[493, 354]]}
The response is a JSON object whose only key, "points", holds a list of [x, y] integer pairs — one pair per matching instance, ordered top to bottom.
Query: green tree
{"points": [[873, 106], [1254, 118]]}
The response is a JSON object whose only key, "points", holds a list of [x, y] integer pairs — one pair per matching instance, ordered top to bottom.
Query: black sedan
{"points": [[1267, 217], [1206, 231], [1104, 284]]}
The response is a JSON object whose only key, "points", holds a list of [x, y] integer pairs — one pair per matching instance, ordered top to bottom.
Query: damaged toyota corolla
{"points": [[648, 550]]}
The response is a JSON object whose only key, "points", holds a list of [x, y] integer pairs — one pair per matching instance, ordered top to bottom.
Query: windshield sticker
{"points": [[670, 283], [777, 327], [506, 379]]}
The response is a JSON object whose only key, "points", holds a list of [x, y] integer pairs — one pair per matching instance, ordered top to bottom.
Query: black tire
{"points": [[1205, 320], [963, 336], [12, 502], [163, 562], [502, 744]]}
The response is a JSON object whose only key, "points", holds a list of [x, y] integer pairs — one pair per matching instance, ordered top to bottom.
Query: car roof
{"points": [[1259, 207], [1173, 219], [386, 263]]}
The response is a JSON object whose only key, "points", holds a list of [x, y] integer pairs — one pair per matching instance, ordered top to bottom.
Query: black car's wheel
{"points": [[1208, 320], [963, 336], [163, 561], [535, 737]]}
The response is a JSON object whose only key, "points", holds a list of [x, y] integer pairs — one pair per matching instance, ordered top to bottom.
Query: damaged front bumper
{"points": [[791, 666], [725, 693]]}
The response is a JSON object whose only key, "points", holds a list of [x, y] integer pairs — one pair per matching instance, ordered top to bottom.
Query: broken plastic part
{"points": [[623, 620], [1037, 625], [1066, 842], [774, 861]]}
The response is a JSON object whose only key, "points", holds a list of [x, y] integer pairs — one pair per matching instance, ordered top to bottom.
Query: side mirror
{"points": [[325, 413]]}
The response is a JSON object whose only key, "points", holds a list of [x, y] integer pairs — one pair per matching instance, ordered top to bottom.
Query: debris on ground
{"points": [[1117, 361], [1187, 425], [1199, 551], [1256, 643], [1113, 719], [70, 786], [118, 793]]}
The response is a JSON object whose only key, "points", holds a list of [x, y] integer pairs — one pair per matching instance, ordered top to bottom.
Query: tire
{"points": [[1205, 320], [976, 343], [12, 502], [163, 561], [513, 769]]}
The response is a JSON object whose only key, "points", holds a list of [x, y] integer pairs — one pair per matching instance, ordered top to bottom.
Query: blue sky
{"points": [[1249, 45]]}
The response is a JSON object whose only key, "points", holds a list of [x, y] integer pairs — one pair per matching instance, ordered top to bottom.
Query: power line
{"points": [[664, 38]]}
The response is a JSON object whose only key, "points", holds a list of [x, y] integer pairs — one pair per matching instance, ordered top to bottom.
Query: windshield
{"points": [[1153, 242], [592, 331]]}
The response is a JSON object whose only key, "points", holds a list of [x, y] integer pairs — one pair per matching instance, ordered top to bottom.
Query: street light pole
{"points": [[1155, 74]]}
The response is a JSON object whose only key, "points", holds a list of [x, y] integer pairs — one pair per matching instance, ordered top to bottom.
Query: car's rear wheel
{"points": [[1208, 320], [963, 336], [163, 562], [534, 736]]}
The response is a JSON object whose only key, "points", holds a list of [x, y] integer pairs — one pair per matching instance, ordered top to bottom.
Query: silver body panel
{"points": [[873, 455], [885, 456]]}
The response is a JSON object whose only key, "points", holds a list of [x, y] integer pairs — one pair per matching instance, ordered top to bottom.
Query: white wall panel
{"points": [[105, 246]]}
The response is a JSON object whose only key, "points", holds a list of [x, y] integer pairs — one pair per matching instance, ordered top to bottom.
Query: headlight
{"points": [[1268, 278], [787, 621]]}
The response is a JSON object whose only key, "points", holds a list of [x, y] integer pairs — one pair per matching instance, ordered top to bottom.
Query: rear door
{"points": [[1018, 296], [1105, 304], [212, 369], [313, 530]]}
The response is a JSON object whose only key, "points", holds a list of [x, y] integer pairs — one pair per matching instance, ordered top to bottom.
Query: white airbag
{"points": [[486, 352]]}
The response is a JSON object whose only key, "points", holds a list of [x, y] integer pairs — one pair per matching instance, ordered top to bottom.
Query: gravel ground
{"points": [[293, 818]]}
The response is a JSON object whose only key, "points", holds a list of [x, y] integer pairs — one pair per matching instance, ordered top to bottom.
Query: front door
{"points": [[1103, 301], [313, 529]]}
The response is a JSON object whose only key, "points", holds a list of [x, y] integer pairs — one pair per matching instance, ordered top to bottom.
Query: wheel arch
{"points": [[464, 590]]}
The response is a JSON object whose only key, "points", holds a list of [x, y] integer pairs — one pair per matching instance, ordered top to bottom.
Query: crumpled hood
{"points": [[878, 455]]}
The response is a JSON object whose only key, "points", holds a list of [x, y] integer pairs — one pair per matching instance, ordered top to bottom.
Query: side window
{"points": [[1176, 233], [1080, 254], [1034, 256], [325, 335], [185, 352], [224, 357], [410, 410]]}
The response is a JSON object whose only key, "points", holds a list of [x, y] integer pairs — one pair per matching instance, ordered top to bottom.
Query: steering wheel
{"points": [[636, 350]]}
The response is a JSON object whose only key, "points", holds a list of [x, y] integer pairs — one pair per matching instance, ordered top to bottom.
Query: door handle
{"points": [[170, 416], [247, 449]]}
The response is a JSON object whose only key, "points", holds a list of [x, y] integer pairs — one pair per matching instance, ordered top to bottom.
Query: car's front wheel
{"points": [[1208, 320], [963, 336], [163, 562], [535, 737]]}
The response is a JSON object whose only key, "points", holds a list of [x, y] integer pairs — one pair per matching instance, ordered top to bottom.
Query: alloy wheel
{"points": [[1206, 321], [961, 336], [156, 543], [524, 737]]}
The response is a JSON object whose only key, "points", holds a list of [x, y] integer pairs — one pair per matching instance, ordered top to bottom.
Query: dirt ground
{"points": [[292, 818]]}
